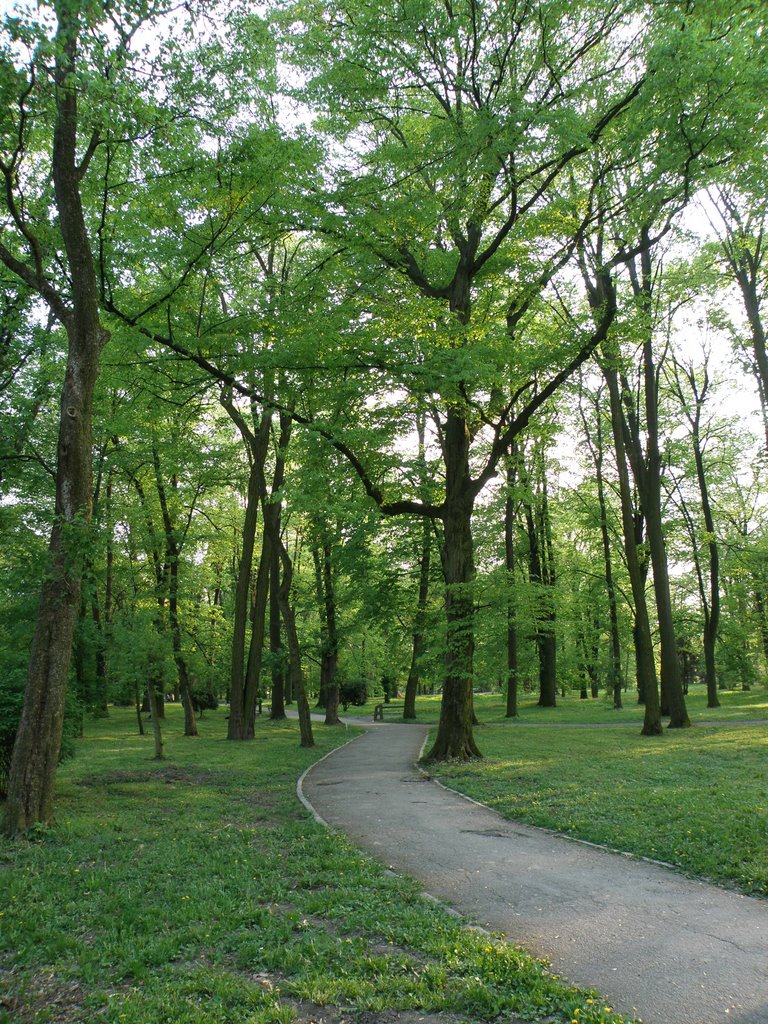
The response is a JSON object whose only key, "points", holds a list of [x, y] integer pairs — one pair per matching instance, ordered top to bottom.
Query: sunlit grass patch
{"points": [[693, 798], [197, 890]]}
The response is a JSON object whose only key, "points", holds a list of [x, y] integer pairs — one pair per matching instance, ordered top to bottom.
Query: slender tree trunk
{"points": [[257, 445], [648, 479], [510, 518], [170, 577], [762, 618], [419, 623], [544, 635], [275, 640], [548, 648], [294, 652], [646, 666], [614, 670], [331, 681], [252, 686], [322, 693], [137, 701], [154, 708], [236, 727], [35, 756]]}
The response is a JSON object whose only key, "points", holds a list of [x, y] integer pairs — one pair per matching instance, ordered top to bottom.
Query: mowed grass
{"points": [[736, 705], [694, 798], [198, 890]]}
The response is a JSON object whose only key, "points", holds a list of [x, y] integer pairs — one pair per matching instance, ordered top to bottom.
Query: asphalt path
{"points": [[666, 948]]}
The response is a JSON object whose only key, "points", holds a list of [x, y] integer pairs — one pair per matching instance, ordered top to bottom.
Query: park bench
{"points": [[391, 710]]}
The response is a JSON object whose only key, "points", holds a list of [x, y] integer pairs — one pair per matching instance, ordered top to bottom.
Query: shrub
{"points": [[353, 693]]}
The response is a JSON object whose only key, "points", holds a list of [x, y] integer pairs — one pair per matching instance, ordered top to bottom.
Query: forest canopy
{"points": [[352, 351]]}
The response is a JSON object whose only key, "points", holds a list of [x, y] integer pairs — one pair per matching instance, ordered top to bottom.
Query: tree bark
{"points": [[597, 451], [647, 474], [170, 575], [419, 622], [294, 651], [645, 662], [242, 699], [277, 712], [236, 726], [454, 732], [36, 752]]}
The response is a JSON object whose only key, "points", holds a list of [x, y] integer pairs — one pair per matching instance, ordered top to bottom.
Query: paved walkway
{"points": [[672, 950]]}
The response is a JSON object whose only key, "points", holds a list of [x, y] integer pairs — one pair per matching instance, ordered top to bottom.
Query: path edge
{"points": [[308, 806], [561, 835]]}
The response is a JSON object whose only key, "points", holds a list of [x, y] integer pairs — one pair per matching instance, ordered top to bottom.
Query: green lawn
{"points": [[490, 707], [694, 798], [199, 891]]}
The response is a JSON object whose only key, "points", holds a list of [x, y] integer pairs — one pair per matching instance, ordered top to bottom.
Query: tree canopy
{"points": [[373, 342]]}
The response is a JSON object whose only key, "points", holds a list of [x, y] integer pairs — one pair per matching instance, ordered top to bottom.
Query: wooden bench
{"points": [[379, 712]]}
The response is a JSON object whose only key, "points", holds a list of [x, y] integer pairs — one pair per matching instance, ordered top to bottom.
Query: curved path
{"points": [[671, 950]]}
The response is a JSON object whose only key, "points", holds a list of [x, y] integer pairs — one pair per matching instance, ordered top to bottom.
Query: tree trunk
{"points": [[257, 444], [648, 478], [509, 564], [168, 578], [712, 612], [419, 622], [544, 634], [275, 640], [294, 652], [646, 666], [614, 671], [252, 686], [322, 693], [328, 697], [154, 716], [236, 726], [454, 732], [32, 772]]}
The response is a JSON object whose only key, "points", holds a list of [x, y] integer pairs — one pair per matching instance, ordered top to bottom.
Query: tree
{"points": [[472, 138], [693, 391], [38, 741]]}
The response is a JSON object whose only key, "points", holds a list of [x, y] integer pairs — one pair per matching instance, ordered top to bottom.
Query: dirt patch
{"points": [[169, 773], [25, 998], [309, 1013]]}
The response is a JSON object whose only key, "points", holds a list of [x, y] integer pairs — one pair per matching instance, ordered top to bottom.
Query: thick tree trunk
{"points": [[454, 733], [38, 740]]}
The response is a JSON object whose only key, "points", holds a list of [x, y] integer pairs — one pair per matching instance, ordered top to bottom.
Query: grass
{"points": [[736, 705], [693, 798], [198, 891]]}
